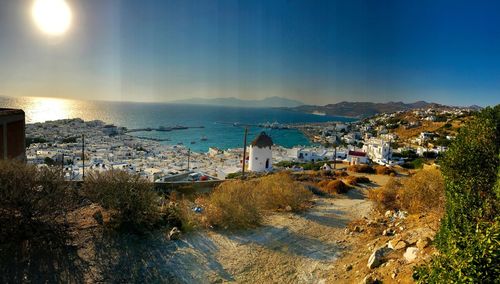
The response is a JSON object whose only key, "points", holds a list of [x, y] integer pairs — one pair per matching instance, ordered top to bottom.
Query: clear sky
{"points": [[315, 51]]}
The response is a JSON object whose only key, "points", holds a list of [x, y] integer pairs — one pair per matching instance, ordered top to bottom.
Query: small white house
{"points": [[260, 154], [356, 158]]}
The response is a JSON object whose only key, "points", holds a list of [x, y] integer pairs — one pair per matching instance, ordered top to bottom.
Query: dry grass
{"points": [[361, 169], [383, 170], [354, 180], [335, 187], [279, 191], [422, 192], [386, 196], [241, 204], [232, 205]]}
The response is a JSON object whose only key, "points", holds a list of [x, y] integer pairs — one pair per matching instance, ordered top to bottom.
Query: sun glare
{"points": [[53, 17]]}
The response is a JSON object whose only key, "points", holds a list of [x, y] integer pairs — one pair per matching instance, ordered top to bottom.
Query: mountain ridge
{"points": [[272, 102], [365, 109]]}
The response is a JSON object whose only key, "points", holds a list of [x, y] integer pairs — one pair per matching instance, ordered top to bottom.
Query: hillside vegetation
{"points": [[469, 237]]}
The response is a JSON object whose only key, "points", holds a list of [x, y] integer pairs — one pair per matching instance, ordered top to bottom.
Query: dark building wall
{"points": [[12, 132], [1, 142]]}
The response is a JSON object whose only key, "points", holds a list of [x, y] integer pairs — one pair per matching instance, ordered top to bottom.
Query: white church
{"points": [[260, 154]]}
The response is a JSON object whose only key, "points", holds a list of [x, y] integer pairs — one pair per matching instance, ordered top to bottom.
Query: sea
{"points": [[222, 127]]}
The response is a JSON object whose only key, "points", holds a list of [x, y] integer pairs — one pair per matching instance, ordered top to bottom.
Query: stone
{"points": [[288, 208], [388, 214], [357, 229], [388, 232], [174, 234], [423, 243], [396, 244], [411, 254], [377, 257], [348, 267], [369, 279]]}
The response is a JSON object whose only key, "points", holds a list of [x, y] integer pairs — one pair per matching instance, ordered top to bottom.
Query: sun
{"points": [[52, 17]]}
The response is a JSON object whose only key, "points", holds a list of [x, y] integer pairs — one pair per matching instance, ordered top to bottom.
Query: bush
{"points": [[415, 164], [361, 169], [383, 170], [354, 180], [336, 187], [278, 191], [423, 192], [28, 193], [420, 193], [386, 197], [131, 199], [241, 204], [232, 205], [469, 237]]}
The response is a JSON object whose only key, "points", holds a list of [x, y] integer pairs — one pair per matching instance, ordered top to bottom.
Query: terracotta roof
{"points": [[262, 140], [356, 153]]}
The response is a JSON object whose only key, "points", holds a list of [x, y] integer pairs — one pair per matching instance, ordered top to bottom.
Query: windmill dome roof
{"points": [[262, 141]]}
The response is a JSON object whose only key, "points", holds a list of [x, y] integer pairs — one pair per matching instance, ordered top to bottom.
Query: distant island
{"points": [[272, 102], [366, 109]]}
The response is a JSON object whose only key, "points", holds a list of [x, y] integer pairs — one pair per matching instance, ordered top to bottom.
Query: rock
{"points": [[288, 208], [388, 213], [357, 229], [346, 231], [388, 232], [174, 234], [423, 243], [396, 244], [411, 254], [377, 257], [348, 267], [393, 275], [369, 279]]}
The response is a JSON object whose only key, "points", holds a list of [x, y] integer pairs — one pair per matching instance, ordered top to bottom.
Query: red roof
{"points": [[356, 153]]}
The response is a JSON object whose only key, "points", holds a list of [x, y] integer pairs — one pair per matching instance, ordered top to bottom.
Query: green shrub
{"points": [[131, 199], [469, 238]]}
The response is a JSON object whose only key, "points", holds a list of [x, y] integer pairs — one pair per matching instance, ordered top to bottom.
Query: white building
{"points": [[378, 150], [260, 154], [308, 154], [356, 158]]}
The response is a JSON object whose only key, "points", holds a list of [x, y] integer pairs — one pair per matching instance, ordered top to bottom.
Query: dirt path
{"points": [[288, 248]]}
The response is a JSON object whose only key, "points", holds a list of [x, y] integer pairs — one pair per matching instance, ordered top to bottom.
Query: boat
{"points": [[204, 138], [193, 142]]}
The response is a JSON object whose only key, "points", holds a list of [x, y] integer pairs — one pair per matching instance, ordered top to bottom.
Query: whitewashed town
{"points": [[385, 139]]}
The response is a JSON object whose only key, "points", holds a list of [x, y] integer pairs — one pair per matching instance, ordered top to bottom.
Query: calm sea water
{"points": [[217, 121]]}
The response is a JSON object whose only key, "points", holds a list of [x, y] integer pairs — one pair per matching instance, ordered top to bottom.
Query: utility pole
{"points": [[244, 152], [83, 156], [189, 156], [335, 156]]}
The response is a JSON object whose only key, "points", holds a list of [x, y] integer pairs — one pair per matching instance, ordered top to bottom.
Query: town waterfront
{"points": [[217, 122]]}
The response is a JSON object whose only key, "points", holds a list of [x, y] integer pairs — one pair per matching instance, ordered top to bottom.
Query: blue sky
{"points": [[315, 51]]}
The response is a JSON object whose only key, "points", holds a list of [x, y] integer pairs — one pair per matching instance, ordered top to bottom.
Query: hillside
{"points": [[364, 109]]}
